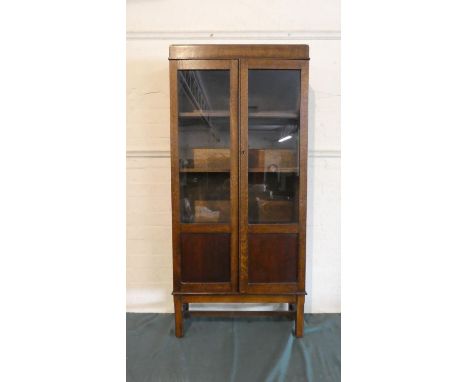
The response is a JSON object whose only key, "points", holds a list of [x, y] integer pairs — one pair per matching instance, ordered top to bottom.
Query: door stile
{"points": [[244, 173], [234, 180]]}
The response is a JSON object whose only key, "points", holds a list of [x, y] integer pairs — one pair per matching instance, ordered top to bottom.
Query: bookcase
{"points": [[239, 177]]}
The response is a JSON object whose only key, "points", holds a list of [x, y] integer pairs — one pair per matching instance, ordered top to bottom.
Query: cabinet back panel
{"points": [[205, 257], [272, 258]]}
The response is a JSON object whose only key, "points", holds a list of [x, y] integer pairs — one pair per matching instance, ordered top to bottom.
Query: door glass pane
{"points": [[274, 100], [204, 146]]}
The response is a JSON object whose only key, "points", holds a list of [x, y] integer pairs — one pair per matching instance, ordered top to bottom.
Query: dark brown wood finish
{"points": [[210, 51], [234, 106], [303, 155], [243, 178], [175, 197], [207, 228], [273, 228], [178, 229], [246, 229], [220, 252], [205, 257], [272, 258], [239, 298], [300, 316], [179, 321]]}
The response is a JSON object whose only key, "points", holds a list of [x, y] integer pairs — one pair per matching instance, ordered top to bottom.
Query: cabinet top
{"points": [[217, 51]]}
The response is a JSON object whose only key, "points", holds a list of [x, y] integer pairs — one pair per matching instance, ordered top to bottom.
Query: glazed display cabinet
{"points": [[239, 168]]}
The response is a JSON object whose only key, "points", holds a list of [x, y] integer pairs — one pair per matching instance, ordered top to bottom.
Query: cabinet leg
{"points": [[300, 316], [179, 319]]}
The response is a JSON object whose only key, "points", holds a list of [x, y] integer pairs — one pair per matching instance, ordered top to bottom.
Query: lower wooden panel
{"points": [[205, 228], [273, 228], [205, 258], [272, 258], [233, 298]]}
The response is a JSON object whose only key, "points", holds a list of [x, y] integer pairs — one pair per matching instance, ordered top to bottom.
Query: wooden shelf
{"points": [[204, 113], [252, 114], [274, 114], [199, 169], [282, 169]]}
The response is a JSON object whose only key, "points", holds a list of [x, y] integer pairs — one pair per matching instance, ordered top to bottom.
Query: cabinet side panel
{"points": [[303, 173], [175, 176]]}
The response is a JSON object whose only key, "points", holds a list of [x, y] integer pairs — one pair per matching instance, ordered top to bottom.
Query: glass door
{"points": [[273, 163], [205, 173]]}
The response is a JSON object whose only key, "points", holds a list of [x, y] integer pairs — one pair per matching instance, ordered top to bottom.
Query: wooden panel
{"points": [[220, 51], [204, 64], [277, 64], [303, 174], [175, 187], [205, 228], [273, 228], [205, 257], [273, 258], [205, 287], [237, 298]]}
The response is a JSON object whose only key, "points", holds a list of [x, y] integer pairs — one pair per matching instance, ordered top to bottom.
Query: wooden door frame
{"points": [[177, 226], [300, 227]]}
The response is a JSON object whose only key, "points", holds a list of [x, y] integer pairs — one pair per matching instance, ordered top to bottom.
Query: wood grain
{"points": [[222, 51], [234, 132], [303, 150], [243, 176], [175, 198], [205, 228], [273, 228], [179, 229], [205, 258], [273, 258], [238, 262], [246, 286], [238, 298], [179, 320], [299, 328]]}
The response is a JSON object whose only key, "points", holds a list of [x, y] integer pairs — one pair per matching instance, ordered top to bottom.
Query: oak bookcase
{"points": [[239, 177]]}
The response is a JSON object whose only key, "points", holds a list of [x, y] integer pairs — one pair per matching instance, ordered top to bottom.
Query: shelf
{"points": [[204, 113], [225, 114], [274, 114], [199, 169], [283, 169]]}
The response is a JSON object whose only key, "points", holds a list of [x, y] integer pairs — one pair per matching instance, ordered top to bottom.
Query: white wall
{"points": [[152, 26]]}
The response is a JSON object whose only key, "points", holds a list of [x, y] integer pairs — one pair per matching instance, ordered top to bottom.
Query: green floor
{"points": [[232, 349]]}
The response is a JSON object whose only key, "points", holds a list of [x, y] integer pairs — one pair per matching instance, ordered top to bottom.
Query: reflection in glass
{"points": [[274, 100], [204, 146]]}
